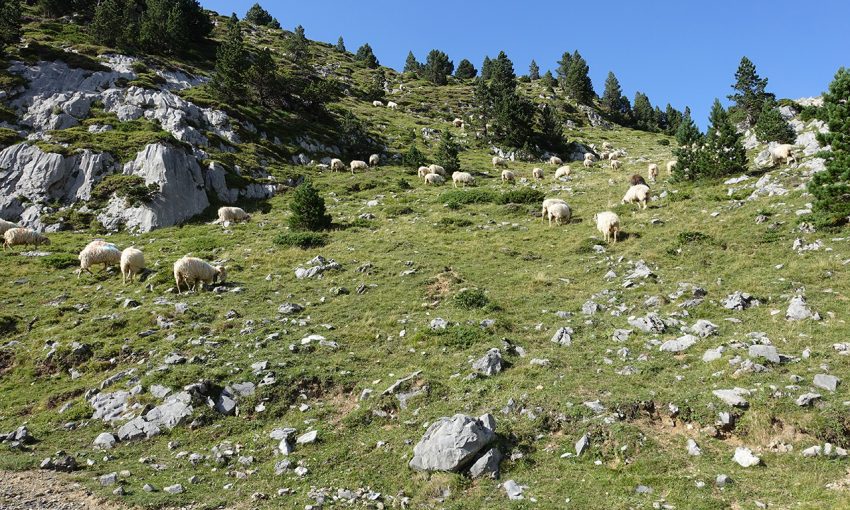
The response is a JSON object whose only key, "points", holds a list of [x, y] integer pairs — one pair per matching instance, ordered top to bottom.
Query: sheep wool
{"points": [[358, 165], [465, 178], [638, 193], [560, 213], [232, 215], [608, 224], [6, 225], [20, 236], [98, 252], [132, 263], [189, 271]]}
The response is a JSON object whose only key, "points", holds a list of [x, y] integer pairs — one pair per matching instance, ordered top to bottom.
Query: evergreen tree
{"points": [[55, 8], [259, 16], [109, 22], [10, 23], [169, 26], [340, 45], [298, 47], [364, 54], [231, 63], [411, 65], [437, 67], [486, 68], [563, 68], [465, 70], [533, 71], [502, 74], [263, 78], [549, 80], [578, 84], [376, 91], [750, 94], [612, 98], [482, 101], [643, 113], [511, 114], [674, 118], [660, 119], [772, 126], [551, 132], [687, 133], [723, 145], [447, 152], [413, 158], [831, 188], [308, 209]]}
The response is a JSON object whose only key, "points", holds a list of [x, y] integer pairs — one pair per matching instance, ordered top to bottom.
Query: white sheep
{"points": [[377, 103], [392, 105], [458, 123], [607, 145], [784, 151], [604, 155], [589, 156], [374, 159], [497, 161], [556, 161], [588, 163], [616, 164], [337, 165], [358, 165], [670, 166], [437, 169], [423, 171], [563, 171], [652, 171], [537, 173], [507, 175], [465, 178], [435, 179], [638, 193], [549, 202], [560, 213], [232, 215], [608, 224], [6, 225], [23, 236], [98, 252], [132, 263], [189, 271]]}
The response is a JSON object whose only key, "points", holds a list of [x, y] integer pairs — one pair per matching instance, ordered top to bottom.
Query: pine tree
{"points": [[55, 8], [259, 16], [109, 21], [10, 23], [169, 26], [340, 45], [298, 47], [367, 56], [231, 63], [411, 65], [437, 67], [486, 68], [563, 68], [465, 70], [533, 71], [502, 75], [263, 78], [549, 80], [578, 84], [376, 91], [750, 94], [612, 97], [644, 114], [674, 118], [660, 119], [772, 126], [551, 132], [687, 133], [723, 145], [447, 152], [413, 158], [831, 188], [308, 209]]}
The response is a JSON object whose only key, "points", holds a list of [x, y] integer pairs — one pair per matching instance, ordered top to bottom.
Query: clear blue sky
{"points": [[679, 51]]}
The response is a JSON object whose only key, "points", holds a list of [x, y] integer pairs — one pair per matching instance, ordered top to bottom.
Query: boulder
{"points": [[798, 310], [680, 344], [489, 364], [450, 444], [745, 458], [487, 465]]}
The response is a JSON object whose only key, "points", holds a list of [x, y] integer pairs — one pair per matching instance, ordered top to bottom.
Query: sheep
{"points": [[377, 103], [392, 105], [458, 123], [607, 145], [784, 151], [604, 155], [589, 156], [374, 159], [497, 161], [556, 161], [588, 163], [616, 164], [337, 165], [358, 165], [670, 166], [437, 169], [423, 171], [563, 171], [652, 171], [537, 173], [507, 175], [464, 178], [434, 179], [636, 179], [638, 193], [549, 202], [560, 212], [232, 215], [608, 224], [6, 225], [23, 236], [98, 252], [132, 263], [189, 271]]}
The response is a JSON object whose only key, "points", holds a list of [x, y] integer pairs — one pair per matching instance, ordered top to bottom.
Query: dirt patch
{"points": [[441, 285], [33, 490]]}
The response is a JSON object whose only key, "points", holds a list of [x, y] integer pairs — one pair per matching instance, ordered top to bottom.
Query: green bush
{"points": [[664, 142], [132, 188], [469, 196], [521, 196], [308, 209], [691, 237], [303, 240], [60, 260], [469, 299]]}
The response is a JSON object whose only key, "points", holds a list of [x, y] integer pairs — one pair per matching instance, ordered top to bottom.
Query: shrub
{"points": [[663, 141], [447, 152], [413, 158], [132, 188], [469, 196], [521, 196], [308, 209], [397, 210], [691, 237], [303, 240], [60, 260], [469, 299]]}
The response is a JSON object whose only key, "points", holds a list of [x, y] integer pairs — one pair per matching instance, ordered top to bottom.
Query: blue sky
{"points": [[678, 51]]}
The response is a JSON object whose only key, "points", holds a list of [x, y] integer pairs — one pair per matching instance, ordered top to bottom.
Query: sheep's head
{"points": [[247, 217], [220, 274]]}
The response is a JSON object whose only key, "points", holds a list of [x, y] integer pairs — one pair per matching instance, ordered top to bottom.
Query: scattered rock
{"points": [[798, 310], [767, 352], [489, 364], [826, 382], [733, 397], [450, 444], [745, 458], [487, 465]]}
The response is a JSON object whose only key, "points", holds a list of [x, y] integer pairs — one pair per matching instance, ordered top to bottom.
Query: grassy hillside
{"points": [[408, 263]]}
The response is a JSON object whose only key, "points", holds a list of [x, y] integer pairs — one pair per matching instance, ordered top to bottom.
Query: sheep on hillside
{"points": [[377, 103], [392, 105], [458, 123], [607, 145], [783, 152], [604, 155], [589, 156], [374, 159], [555, 160], [497, 161], [588, 163], [616, 164], [337, 165], [358, 165], [670, 166], [437, 169], [423, 171], [563, 171], [652, 171], [537, 173], [507, 175], [465, 178], [434, 179], [636, 179], [638, 193], [549, 202], [560, 213], [232, 215], [608, 224], [6, 225], [19, 236], [98, 252], [132, 263], [189, 271]]}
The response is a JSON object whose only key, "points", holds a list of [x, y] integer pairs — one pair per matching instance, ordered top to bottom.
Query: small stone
{"points": [[767, 352], [489, 364], [733, 397], [806, 399], [307, 438], [105, 441], [582, 444], [693, 448], [487, 465], [108, 479], [722, 480], [148, 488], [174, 489], [513, 490]]}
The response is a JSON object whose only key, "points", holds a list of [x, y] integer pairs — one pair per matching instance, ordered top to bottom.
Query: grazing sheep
{"points": [[377, 103], [392, 105], [458, 123], [607, 145], [784, 151], [604, 155], [589, 156], [374, 159], [555, 160], [497, 161], [588, 163], [616, 164], [337, 165], [358, 165], [670, 166], [437, 169], [423, 171], [563, 171], [652, 171], [537, 173], [507, 175], [465, 178], [434, 179], [636, 179], [638, 193], [549, 202], [560, 212], [232, 215], [608, 224], [6, 225], [23, 236], [98, 252], [132, 263], [189, 271]]}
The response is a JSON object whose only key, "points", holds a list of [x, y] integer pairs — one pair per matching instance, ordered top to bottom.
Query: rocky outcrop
{"points": [[216, 182]]}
